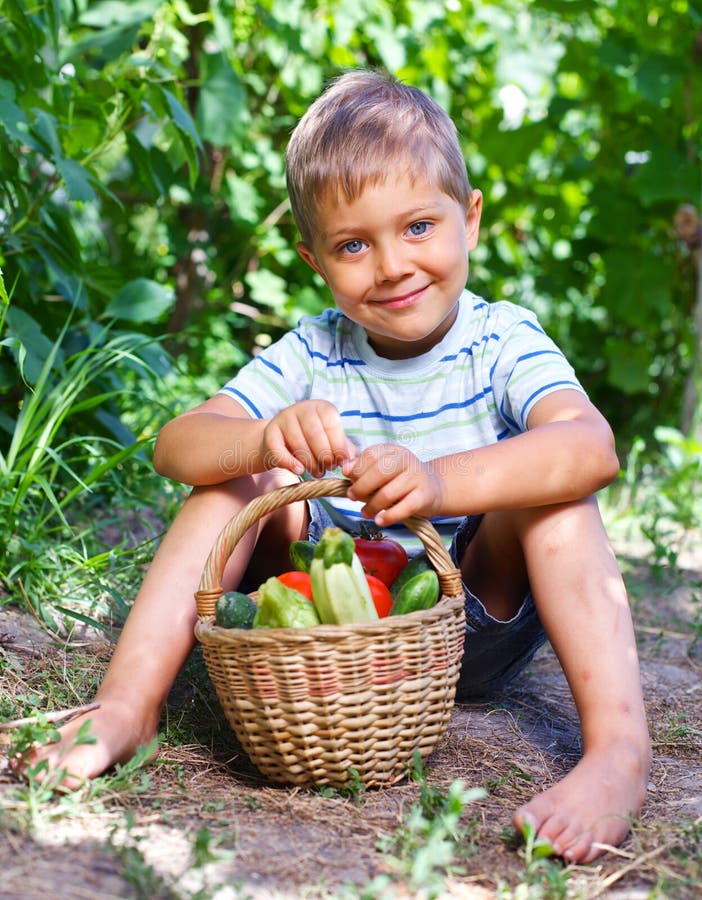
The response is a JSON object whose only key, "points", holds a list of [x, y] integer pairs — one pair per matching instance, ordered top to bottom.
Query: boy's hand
{"points": [[307, 435], [394, 483]]}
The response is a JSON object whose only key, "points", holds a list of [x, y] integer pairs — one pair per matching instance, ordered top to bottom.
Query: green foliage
{"points": [[143, 165], [142, 192], [51, 464], [662, 486], [355, 789], [431, 840]]}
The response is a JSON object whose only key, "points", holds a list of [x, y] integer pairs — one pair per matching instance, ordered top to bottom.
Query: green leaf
{"points": [[119, 12], [656, 78], [221, 110], [181, 118], [14, 121], [45, 127], [667, 176], [77, 179], [243, 199], [268, 289], [140, 300], [33, 347], [628, 365]]}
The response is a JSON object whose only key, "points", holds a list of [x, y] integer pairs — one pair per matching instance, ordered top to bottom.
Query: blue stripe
{"points": [[533, 325], [469, 350], [539, 353], [526, 356], [344, 361], [267, 362], [546, 387], [254, 410], [414, 416], [512, 424]]}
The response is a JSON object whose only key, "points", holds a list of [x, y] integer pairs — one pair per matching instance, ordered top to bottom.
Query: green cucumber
{"points": [[301, 553], [414, 567], [420, 592], [235, 610]]}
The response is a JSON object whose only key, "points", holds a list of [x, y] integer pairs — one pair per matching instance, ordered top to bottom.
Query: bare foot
{"points": [[117, 733], [593, 804]]}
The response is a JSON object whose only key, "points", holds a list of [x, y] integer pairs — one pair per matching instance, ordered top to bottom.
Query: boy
{"points": [[432, 402]]}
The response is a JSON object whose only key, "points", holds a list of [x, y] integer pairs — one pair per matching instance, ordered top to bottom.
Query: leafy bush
{"points": [[142, 166], [142, 192]]}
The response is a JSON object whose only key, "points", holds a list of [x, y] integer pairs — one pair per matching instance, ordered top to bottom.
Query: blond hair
{"points": [[357, 131]]}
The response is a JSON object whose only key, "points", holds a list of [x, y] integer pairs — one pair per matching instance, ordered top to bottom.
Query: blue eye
{"points": [[417, 229], [353, 247]]}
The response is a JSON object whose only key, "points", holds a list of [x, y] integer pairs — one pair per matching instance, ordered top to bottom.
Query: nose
{"points": [[392, 262]]}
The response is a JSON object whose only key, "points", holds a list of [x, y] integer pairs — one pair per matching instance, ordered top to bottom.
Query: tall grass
{"points": [[54, 463]]}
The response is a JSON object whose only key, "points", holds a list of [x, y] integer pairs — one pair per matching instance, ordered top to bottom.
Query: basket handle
{"points": [[210, 588]]}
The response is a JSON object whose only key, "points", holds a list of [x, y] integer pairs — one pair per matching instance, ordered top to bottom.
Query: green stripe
{"points": [[358, 373], [274, 385], [445, 426]]}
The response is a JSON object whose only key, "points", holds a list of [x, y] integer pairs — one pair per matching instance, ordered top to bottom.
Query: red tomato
{"points": [[380, 556], [298, 581], [382, 598]]}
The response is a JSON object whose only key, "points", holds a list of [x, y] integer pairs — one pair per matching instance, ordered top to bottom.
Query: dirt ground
{"points": [[204, 824]]}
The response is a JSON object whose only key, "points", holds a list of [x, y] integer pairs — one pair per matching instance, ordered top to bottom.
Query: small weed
{"points": [[679, 726], [514, 773], [126, 779], [40, 783], [354, 790], [41, 795], [431, 839], [535, 847], [207, 848], [545, 878], [145, 881], [148, 884]]}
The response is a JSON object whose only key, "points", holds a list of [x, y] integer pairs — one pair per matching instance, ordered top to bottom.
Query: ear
{"points": [[473, 213], [307, 254]]}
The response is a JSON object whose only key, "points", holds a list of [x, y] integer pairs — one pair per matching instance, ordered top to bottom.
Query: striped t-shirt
{"points": [[475, 387]]}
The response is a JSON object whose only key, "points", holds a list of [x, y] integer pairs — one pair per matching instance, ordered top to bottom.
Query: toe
{"points": [[556, 829], [580, 849]]}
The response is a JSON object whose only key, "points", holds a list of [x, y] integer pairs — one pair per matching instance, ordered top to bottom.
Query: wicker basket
{"points": [[309, 704]]}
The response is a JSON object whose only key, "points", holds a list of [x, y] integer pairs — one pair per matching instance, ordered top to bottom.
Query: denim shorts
{"points": [[495, 651]]}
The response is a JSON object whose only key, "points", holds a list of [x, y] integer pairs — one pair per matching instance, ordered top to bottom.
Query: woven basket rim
{"points": [[210, 588], [332, 633]]}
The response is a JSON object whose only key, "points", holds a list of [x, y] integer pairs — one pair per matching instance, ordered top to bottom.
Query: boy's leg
{"points": [[563, 553], [158, 634]]}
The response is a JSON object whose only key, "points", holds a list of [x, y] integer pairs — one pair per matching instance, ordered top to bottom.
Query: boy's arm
{"points": [[218, 440], [209, 444], [567, 453]]}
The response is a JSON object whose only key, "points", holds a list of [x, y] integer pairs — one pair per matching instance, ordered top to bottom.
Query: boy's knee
{"points": [[554, 527]]}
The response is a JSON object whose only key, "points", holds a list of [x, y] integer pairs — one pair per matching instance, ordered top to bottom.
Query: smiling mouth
{"points": [[405, 300]]}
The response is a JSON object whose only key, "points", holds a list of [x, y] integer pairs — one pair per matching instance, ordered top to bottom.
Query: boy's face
{"points": [[396, 260]]}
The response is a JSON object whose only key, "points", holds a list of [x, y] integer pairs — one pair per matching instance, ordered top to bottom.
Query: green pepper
{"points": [[283, 607]]}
